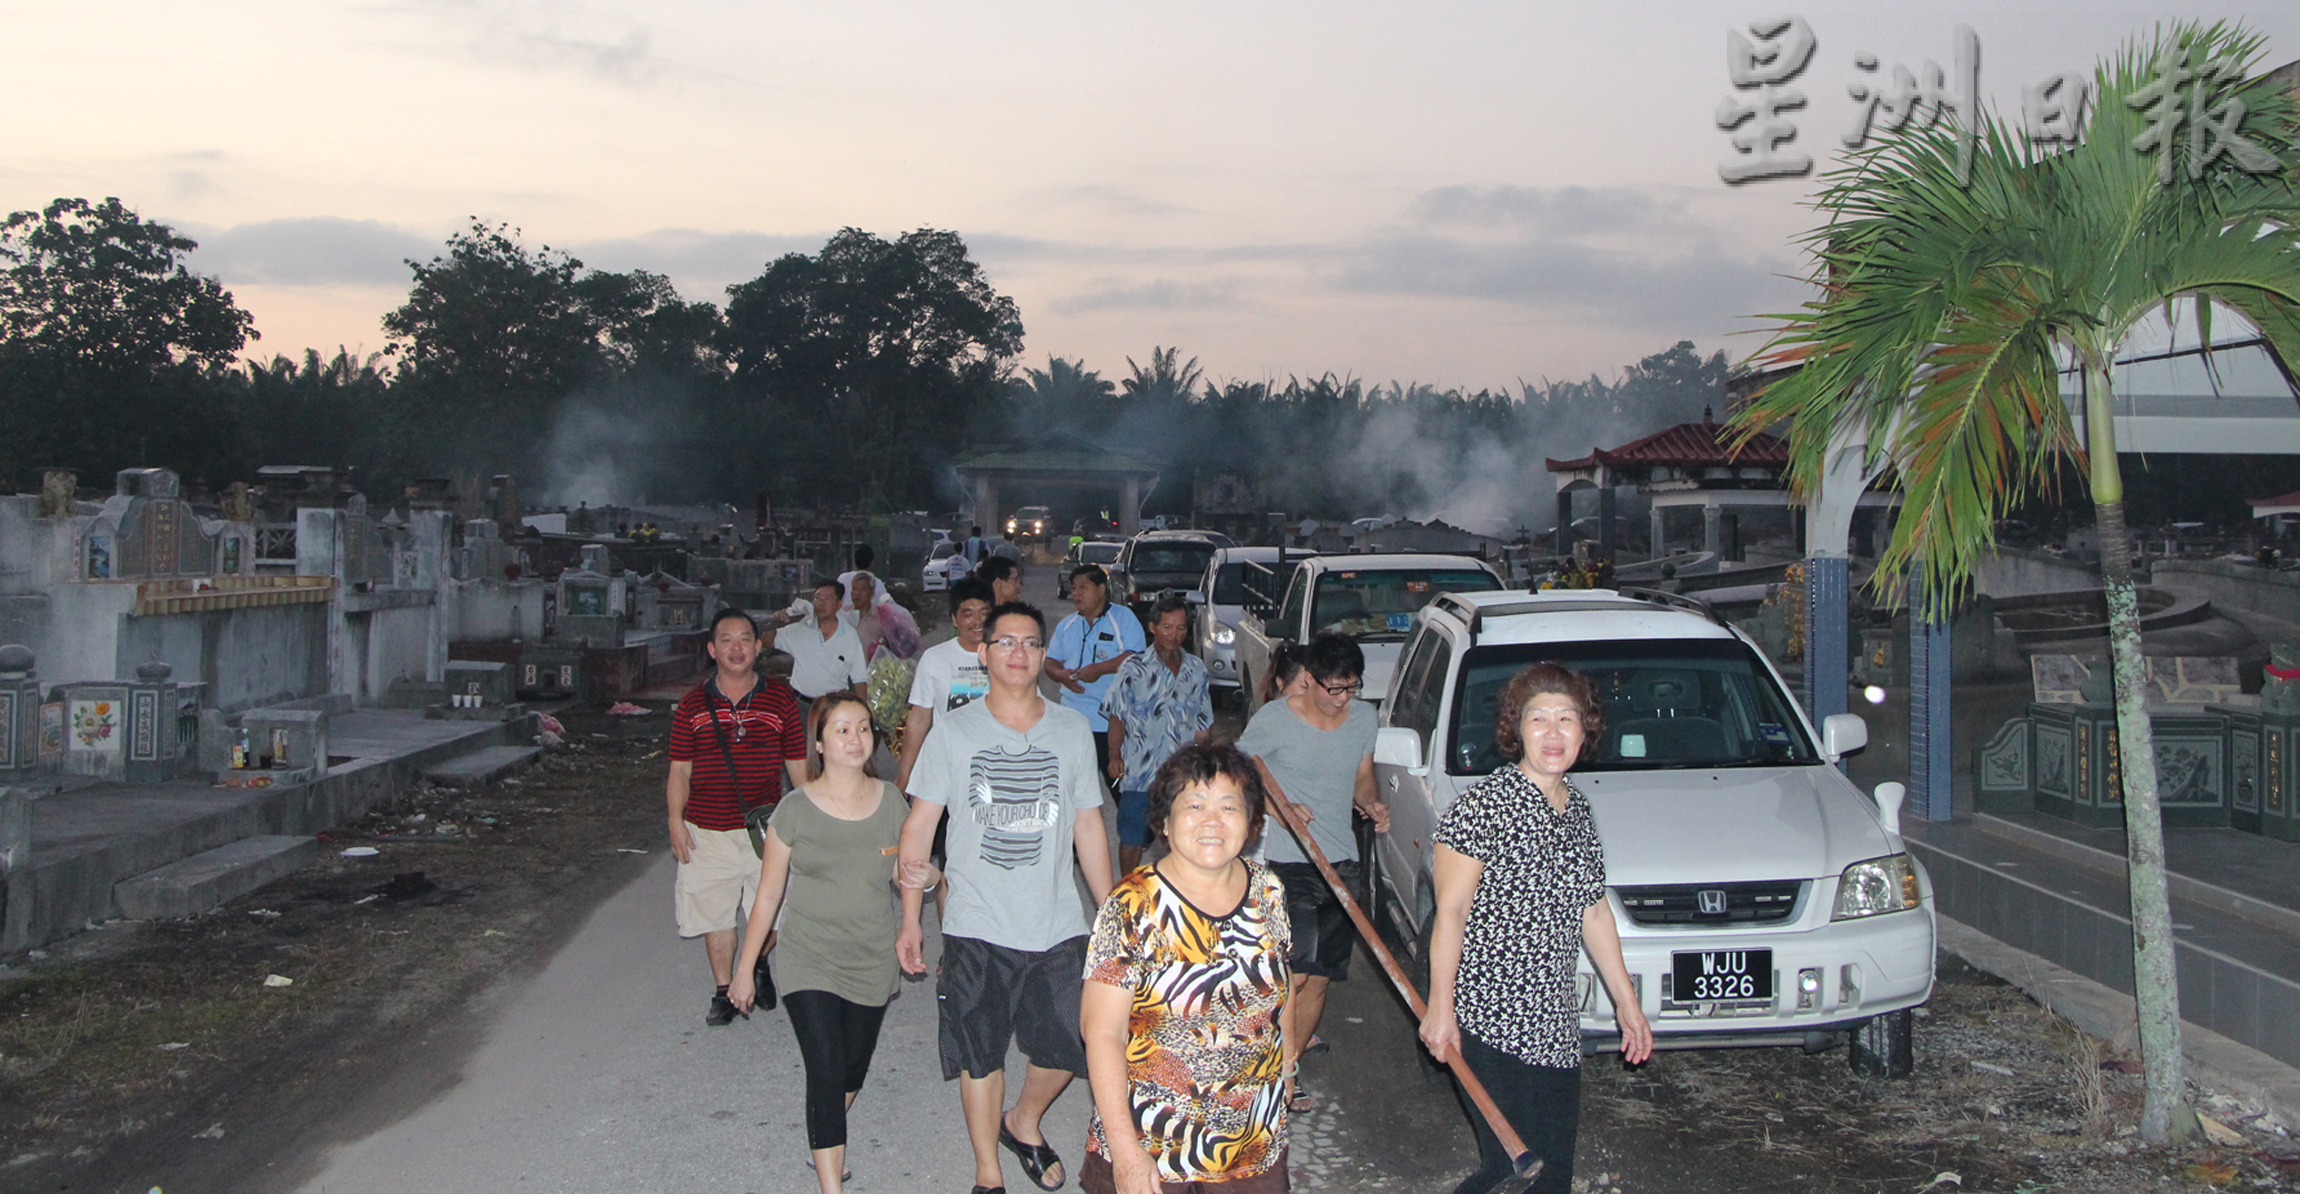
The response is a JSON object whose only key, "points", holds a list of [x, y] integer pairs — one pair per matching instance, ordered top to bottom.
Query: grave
{"points": [[477, 690], [20, 708], [283, 746]]}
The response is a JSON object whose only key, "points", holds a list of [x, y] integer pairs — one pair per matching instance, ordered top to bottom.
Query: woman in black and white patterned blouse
{"points": [[1520, 889]]}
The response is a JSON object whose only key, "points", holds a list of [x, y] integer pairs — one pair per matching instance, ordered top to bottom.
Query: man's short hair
{"points": [[978, 532], [864, 555], [996, 568], [1092, 572], [833, 583], [968, 588], [1167, 603], [1017, 609], [732, 612], [1334, 656]]}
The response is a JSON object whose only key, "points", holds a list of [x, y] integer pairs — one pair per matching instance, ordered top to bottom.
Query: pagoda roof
{"points": [[1687, 445]]}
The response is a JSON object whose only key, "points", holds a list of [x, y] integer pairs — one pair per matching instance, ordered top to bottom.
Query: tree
{"points": [[1946, 309], [110, 349], [870, 359]]}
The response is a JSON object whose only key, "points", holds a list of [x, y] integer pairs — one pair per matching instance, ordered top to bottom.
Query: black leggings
{"points": [[836, 1040], [1542, 1102]]}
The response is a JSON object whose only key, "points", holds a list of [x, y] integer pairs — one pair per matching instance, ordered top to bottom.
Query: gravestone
{"points": [[591, 602], [476, 690], [19, 713], [95, 729], [291, 744], [154, 752]]}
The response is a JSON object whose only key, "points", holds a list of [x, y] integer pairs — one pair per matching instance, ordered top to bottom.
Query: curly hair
{"points": [[1537, 679], [1196, 764]]}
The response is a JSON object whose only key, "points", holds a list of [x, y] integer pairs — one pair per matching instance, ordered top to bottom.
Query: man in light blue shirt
{"points": [[1088, 648]]}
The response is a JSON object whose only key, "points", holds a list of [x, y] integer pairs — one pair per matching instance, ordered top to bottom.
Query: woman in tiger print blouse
{"points": [[1184, 1016]]}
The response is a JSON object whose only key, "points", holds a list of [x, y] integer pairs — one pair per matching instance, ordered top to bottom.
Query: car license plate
{"points": [[1721, 975]]}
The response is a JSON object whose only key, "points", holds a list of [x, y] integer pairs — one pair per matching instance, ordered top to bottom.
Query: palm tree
{"points": [[1948, 311], [1168, 379]]}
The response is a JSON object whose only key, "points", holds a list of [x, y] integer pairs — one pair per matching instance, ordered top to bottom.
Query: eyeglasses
{"points": [[1008, 642], [1350, 689]]}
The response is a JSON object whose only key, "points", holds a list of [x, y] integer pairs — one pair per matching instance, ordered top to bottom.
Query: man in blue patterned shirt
{"points": [[1157, 704]]}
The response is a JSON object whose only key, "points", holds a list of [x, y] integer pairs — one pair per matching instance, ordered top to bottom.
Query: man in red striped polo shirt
{"points": [[733, 739]]}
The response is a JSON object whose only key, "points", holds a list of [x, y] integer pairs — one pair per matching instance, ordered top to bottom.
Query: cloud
{"points": [[1109, 200], [1551, 211], [312, 251], [702, 263], [1158, 294]]}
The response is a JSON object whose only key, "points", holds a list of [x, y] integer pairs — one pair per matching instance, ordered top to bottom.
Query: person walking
{"points": [[1006, 547], [974, 548], [864, 555], [1004, 576], [1087, 650], [826, 653], [950, 674], [1159, 702], [734, 739], [1319, 744], [1015, 773], [823, 867], [1520, 878], [1187, 1050]]}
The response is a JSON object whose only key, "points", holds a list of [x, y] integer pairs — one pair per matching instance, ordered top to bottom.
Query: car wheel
{"points": [[1882, 1047]]}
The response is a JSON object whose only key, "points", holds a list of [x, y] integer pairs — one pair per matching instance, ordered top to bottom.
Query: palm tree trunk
{"points": [[2155, 977]]}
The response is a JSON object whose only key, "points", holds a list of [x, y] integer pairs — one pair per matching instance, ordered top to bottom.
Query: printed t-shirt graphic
{"points": [[1015, 797]]}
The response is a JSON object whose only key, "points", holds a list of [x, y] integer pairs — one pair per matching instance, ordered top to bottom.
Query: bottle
{"points": [[240, 749]]}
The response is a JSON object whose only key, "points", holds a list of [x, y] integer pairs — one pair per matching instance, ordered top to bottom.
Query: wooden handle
{"points": [[1521, 1157]]}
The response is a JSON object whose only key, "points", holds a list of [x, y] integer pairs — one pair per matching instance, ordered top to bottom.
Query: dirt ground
{"points": [[120, 1048]]}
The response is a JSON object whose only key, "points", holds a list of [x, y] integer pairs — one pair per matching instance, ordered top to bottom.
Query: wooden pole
{"points": [[1521, 1157]]}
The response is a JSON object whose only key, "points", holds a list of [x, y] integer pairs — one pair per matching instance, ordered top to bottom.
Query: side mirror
{"points": [[1842, 734], [1397, 746], [1889, 798]]}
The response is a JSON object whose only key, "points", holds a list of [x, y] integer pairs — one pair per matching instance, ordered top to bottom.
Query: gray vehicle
{"points": [[1155, 561], [1372, 598], [1222, 602], [1762, 898]]}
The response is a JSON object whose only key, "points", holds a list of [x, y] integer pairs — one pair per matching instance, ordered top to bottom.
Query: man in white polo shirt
{"points": [[826, 655]]}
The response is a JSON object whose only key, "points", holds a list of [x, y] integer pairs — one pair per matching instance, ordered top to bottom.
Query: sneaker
{"points": [[722, 1011]]}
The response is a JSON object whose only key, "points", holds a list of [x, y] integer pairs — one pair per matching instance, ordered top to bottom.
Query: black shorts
{"points": [[1323, 934], [989, 995]]}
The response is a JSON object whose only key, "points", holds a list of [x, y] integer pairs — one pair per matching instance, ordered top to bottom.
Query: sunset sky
{"points": [[1460, 194]]}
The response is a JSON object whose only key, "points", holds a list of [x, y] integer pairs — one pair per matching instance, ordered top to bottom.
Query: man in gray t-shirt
{"points": [[1319, 746], [1015, 773]]}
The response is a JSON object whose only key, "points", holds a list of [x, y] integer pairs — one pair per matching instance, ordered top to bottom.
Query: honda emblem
{"points": [[1712, 902]]}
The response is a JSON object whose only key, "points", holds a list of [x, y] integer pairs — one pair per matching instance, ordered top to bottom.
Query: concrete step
{"points": [[481, 767], [194, 885]]}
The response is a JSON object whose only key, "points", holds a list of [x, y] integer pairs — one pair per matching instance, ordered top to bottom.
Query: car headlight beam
{"points": [[1875, 887]]}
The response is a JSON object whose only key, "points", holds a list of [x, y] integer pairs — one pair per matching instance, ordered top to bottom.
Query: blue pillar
{"points": [[1828, 656], [1931, 794]]}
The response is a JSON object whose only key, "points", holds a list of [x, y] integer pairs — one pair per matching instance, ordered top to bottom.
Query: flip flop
{"points": [[1302, 1102], [1036, 1159]]}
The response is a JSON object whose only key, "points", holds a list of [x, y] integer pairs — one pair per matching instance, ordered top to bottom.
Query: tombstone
{"points": [[484, 552], [591, 602], [547, 673], [477, 690], [19, 713], [95, 729], [290, 744], [154, 751]]}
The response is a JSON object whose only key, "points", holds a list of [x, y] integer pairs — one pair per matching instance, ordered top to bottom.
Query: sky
{"points": [[1459, 194]]}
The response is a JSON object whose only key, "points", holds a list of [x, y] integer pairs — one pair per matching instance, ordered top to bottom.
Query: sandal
{"points": [[1317, 1045], [1302, 1102], [1036, 1158]]}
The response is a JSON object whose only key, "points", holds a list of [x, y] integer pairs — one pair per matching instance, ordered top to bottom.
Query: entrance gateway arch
{"points": [[987, 474]]}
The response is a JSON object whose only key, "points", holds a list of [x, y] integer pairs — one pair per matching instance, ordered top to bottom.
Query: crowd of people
{"points": [[1189, 987]]}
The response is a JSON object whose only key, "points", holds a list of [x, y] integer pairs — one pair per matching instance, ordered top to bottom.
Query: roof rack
{"points": [[1674, 600], [1461, 609]]}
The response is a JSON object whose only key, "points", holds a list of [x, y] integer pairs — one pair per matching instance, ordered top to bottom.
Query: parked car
{"points": [[1029, 524], [1092, 551], [1154, 561], [946, 564], [1371, 598], [1222, 601], [1762, 899]]}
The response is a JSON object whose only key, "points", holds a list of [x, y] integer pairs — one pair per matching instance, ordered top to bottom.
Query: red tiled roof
{"points": [[1687, 445], [2284, 499]]}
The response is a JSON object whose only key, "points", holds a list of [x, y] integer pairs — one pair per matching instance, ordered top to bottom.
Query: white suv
{"points": [[1762, 899]]}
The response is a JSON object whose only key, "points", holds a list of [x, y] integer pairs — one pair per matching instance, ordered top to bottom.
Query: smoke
{"points": [[621, 444], [1402, 464]]}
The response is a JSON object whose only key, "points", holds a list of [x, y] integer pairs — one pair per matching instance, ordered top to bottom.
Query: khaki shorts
{"points": [[722, 877]]}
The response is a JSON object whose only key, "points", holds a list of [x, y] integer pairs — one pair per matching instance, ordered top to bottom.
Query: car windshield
{"points": [[943, 551], [1099, 553], [1173, 557], [1230, 584], [1378, 605], [1669, 703]]}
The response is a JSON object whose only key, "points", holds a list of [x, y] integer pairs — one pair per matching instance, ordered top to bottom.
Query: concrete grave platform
{"points": [[481, 767], [89, 837], [208, 880]]}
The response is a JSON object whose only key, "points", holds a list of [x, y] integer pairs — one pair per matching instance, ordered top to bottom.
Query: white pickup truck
{"points": [[1371, 598]]}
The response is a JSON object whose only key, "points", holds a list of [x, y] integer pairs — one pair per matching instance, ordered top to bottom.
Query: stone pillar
{"points": [[1130, 507], [986, 513], [1605, 516], [1565, 522], [1729, 526], [1712, 529], [318, 542], [1658, 544], [1828, 657], [1931, 682], [19, 713], [153, 751], [15, 870]]}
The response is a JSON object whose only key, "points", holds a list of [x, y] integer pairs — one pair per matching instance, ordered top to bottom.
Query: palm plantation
{"points": [[1949, 310]]}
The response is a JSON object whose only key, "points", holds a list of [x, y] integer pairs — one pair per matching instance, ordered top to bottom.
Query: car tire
{"points": [[1883, 1046]]}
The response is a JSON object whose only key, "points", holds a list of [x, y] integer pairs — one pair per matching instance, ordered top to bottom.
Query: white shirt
{"points": [[820, 665], [949, 677]]}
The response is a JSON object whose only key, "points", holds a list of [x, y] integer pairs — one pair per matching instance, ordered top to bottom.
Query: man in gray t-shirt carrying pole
{"points": [[1319, 744], [1016, 774]]}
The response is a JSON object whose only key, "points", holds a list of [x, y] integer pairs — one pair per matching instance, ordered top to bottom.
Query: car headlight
{"points": [[1224, 636], [1877, 886]]}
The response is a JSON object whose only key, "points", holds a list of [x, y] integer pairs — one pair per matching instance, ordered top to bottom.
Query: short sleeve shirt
{"points": [[1079, 643], [823, 665], [949, 677], [1162, 708], [760, 733], [1317, 768], [1013, 798], [1542, 871], [839, 920], [1203, 1067]]}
